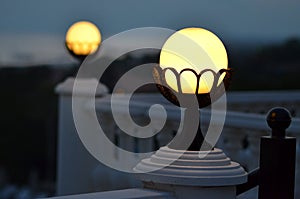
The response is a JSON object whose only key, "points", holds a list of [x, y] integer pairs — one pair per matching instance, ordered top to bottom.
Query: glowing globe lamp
{"points": [[82, 39], [193, 61], [193, 65]]}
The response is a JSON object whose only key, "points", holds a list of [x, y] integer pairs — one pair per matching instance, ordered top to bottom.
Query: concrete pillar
{"points": [[75, 164]]}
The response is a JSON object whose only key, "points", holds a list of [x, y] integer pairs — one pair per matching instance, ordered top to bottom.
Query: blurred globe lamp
{"points": [[82, 39], [193, 63]]}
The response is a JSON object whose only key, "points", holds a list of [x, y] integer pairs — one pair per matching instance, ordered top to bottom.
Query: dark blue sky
{"points": [[232, 20]]}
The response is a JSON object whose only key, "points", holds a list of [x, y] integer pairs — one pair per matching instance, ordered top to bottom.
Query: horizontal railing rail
{"points": [[140, 106]]}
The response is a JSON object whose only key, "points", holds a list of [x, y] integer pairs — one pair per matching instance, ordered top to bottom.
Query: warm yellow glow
{"points": [[83, 38], [194, 48]]}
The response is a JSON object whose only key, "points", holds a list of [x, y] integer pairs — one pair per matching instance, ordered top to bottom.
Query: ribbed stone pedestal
{"points": [[194, 174]]}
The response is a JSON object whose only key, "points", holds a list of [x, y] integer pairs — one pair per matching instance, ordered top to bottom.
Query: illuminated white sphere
{"points": [[83, 38], [194, 48]]}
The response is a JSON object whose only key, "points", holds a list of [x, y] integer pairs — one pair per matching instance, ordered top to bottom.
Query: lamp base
{"points": [[191, 172]]}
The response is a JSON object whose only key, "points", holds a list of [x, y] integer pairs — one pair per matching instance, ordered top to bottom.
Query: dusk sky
{"points": [[35, 29]]}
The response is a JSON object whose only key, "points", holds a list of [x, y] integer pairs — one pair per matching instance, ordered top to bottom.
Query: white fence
{"points": [[79, 172]]}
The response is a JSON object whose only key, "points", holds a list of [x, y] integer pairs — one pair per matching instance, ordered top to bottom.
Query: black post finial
{"points": [[279, 119], [277, 158]]}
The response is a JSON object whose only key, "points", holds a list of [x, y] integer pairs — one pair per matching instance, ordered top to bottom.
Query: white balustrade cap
{"points": [[85, 87]]}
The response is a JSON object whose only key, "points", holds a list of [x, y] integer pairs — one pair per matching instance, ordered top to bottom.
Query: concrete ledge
{"points": [[122, 194]]}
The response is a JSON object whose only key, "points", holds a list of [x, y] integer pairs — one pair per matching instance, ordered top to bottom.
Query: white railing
{"points": [[245, 124], [239, 126]]}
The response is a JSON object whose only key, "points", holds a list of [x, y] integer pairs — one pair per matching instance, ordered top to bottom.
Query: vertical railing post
{"points": [[277, 158]]}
